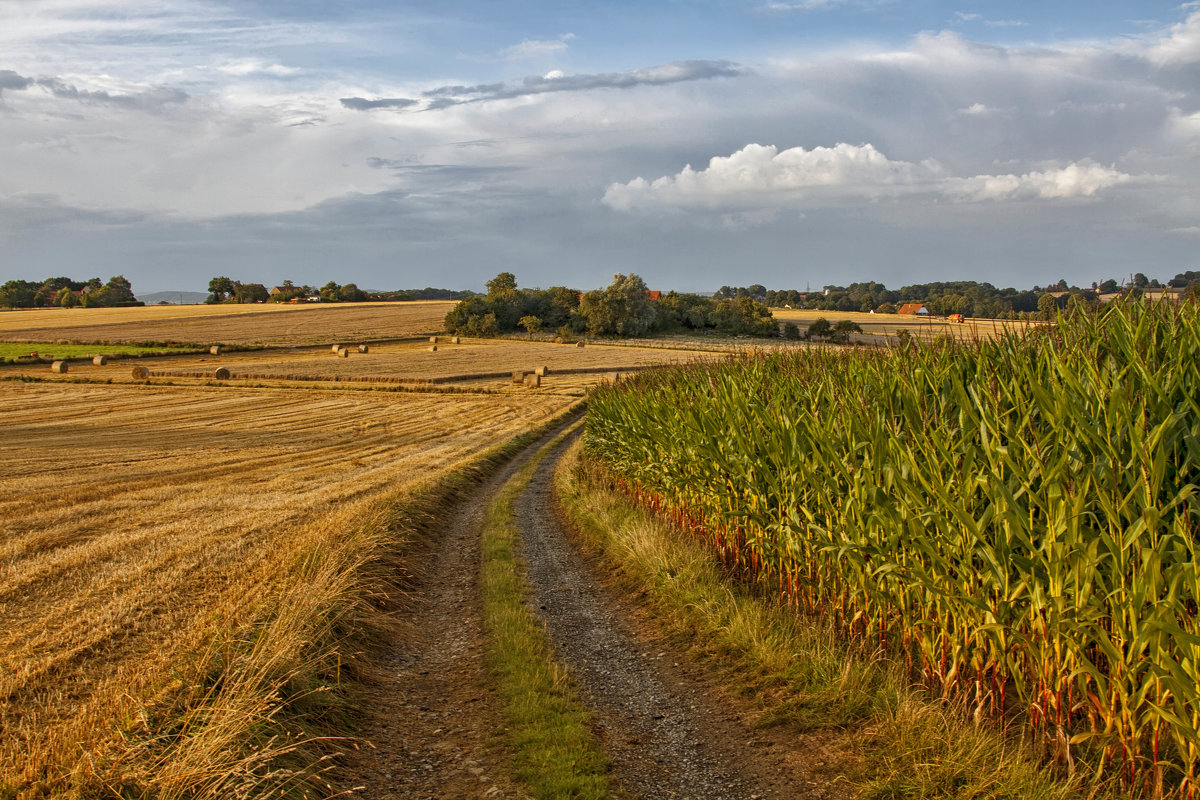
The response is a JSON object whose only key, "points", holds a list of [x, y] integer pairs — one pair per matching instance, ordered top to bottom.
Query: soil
{"points": [[670, 730]]}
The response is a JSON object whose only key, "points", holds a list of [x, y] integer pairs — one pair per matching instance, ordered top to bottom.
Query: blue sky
{"points": [[695, 143]]}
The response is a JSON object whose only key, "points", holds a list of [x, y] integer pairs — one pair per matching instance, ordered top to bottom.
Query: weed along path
{"points": [[667, 731]]}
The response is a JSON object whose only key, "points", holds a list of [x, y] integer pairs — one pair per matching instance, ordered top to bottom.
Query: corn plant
{"points": [[1015, 518]]}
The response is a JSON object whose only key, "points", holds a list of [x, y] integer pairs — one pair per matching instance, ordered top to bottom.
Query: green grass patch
{"points": [[14, 351], [897, 742], [554, 751]]}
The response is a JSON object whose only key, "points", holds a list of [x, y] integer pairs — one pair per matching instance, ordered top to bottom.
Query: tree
{"points": [[502, 285], [1108, 287], [219, 290], [329, 292], [252, 293], [350, 293], [66, 298], [1047, 306], [622, 309], [531, 324], [820, 328], [843, 329]]}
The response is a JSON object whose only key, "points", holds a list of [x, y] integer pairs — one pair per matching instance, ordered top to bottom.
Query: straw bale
{"points": [[433, 339], [455, 340], [558, 340], [579, 344], [335, 348], [362, 348], [433, 348], [215, 350], [343, 353], [99, 361], [59, 367], [541, 372], [141, 373], [222, 374], [518, 376], [612, 377], [533, 380]]}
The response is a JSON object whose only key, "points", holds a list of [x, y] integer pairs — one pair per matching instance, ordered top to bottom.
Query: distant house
{"points": [[653, 294], [913, 309]]}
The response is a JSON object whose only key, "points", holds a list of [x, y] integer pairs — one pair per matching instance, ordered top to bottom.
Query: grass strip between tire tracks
{"points": [[896, 742], [554, 751]]}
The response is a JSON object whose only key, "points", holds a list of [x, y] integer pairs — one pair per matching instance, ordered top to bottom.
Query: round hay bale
{"points": [[433, 340], [455, 340], [558, 340], [579, 344], [335, 348], [362, 348], [433, 348], [215, 350], [343, 353], [99, 361], [59, 368], [541, 372], [141, 373], [222, 374], [518, 376], [533, 381]]}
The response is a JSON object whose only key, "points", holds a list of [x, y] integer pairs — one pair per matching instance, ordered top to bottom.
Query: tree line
{"points": [[226, 290], [68, 293], [970, 298], [626, 307]]}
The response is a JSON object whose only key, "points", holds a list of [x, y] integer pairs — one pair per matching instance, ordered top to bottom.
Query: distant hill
{"points": [[174, 298]]}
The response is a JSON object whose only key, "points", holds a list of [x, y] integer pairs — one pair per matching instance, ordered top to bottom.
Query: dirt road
{"points": [[670, 732]]}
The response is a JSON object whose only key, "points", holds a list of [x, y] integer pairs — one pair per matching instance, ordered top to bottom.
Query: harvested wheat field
{"points": [[269, 323], [882, 328], [479, 363], [143, 525]]}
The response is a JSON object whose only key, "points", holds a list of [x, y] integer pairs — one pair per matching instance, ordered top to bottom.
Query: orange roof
{"points": [[912, 308]]}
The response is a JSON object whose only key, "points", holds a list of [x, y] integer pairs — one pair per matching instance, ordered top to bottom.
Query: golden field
{"points": [[252, 324], [882, 328], [141, 524]]}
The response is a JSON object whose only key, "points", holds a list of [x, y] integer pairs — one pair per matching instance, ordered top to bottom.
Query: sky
{"points": [[697, 143]]}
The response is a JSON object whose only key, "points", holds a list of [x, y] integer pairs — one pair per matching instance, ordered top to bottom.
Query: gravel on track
{"points": [[669, 731]]}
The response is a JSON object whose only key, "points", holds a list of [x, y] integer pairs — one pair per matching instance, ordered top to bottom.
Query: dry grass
{"points": [[269, 323], [141, 525]]}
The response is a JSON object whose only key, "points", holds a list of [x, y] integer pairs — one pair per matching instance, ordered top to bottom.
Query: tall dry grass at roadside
{"points": [[1016, 519], [167, 554]]}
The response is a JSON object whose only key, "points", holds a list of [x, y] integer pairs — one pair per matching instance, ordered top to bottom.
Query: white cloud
{"points": [[1180, 45], [537, 48], [253, 66], [760, 176]]}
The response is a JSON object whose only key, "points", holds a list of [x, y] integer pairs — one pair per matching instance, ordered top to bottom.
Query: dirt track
{"points": [[670, 732]]}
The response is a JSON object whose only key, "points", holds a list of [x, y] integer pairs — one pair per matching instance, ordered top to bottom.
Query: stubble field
{"points": [[265, 324], [140, 522]]}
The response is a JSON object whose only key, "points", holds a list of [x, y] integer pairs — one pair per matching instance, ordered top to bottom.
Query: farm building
{"points": [[913, 308]]}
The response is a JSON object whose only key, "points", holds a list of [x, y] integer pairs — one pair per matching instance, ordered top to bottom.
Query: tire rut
{"points": [[432, 714], [668, 732]]}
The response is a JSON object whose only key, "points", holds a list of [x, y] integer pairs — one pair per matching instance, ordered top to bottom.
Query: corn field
{"points": [[1014, 520]]}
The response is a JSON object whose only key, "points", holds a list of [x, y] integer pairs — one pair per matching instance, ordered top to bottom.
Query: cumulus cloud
{"points": [[556, 81], [764, 177]]}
